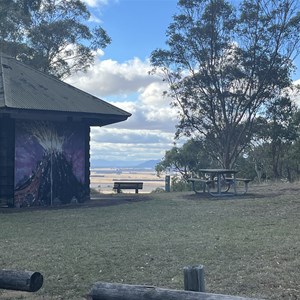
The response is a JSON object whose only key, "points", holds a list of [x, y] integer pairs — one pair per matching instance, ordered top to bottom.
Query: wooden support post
{"points": [[168, 183], [194, 278], [20, 280], [115, 291]]}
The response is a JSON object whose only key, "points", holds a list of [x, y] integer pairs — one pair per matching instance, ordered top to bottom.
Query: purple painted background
{"points": [[29, 151]]}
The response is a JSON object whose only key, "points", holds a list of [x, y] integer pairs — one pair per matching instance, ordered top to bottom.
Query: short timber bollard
{"points": [[194, 278], [21, 280]]}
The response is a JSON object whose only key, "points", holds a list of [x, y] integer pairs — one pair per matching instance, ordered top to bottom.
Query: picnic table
{"points": [[218, 182]]}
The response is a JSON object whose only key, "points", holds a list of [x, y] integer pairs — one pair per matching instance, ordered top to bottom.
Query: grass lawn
{"points": [[248, 244]]}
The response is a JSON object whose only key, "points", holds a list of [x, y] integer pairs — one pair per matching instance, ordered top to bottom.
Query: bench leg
{"points": [[118, 190], [136, 191]]}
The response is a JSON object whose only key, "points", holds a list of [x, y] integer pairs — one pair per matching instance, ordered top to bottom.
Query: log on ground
{"points": [[21, 280], [115, 291]]}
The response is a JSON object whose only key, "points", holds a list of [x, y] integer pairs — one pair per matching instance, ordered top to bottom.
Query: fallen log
{"points": [[21, 280], [115, 291]]}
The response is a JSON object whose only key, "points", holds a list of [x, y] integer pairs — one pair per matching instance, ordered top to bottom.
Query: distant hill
{"points": [[149, 164]]}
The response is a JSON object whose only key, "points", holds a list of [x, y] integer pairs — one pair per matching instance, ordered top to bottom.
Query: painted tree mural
{"points": [[49, 163]]}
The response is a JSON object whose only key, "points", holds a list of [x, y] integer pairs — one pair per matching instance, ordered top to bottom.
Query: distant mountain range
{"points": [[149, 164]]}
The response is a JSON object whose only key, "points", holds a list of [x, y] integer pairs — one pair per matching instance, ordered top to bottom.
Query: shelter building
{"points": [[45, 136]]}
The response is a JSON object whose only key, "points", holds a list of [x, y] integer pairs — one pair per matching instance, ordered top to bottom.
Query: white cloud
{"points": [[96, 3], [96, 7], [95, 19], [108, 77], [294, 92], [152, 93], [150, 117], [149, 132], [130, 136], [122, 144], [127, 152]]}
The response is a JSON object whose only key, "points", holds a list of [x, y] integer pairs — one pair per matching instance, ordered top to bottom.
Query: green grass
{"points": [[249, 245]]}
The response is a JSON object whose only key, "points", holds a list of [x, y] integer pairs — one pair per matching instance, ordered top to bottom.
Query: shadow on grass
{"points": [[100, 200]]}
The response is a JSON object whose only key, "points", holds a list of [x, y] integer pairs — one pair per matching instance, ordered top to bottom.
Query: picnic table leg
{"points": [[219, 183], [234, 184], [246, 186], [194, 187], [136, 191]]}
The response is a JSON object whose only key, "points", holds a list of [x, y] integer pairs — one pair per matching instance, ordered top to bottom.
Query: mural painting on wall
{"points": [[49, 163]]}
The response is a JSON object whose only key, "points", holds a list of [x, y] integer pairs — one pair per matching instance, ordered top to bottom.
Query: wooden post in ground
{"points": [[168, 183], [194, 278], [21, 280]]}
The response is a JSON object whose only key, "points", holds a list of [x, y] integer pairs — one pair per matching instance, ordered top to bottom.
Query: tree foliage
{"points": [[51, 35], [224, 64], [280, 131], [275, 139], [185, 160]]}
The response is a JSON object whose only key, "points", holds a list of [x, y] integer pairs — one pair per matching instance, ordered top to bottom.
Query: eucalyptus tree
{"points": [[14, 18], [54, 36], [223, 63], [281, 131], [276, 135]]}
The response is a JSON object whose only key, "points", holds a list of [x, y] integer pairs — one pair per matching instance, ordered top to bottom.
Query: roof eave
{"points": [[92, 119]]}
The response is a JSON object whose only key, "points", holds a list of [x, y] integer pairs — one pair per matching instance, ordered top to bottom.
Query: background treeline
{"points": [[272, 154]]}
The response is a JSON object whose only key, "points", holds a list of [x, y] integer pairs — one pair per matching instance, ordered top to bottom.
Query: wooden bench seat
{"points": [[127, 185]]}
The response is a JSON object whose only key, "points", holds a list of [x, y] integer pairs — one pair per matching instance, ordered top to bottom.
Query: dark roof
{"points": [[26, 90]]}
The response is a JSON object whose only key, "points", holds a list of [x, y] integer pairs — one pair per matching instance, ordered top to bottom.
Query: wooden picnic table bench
{"points": [[223, 179], [230, 181], [127, 185]]}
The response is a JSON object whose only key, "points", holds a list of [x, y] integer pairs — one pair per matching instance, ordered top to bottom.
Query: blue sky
{"points": [[136, 27], [120, 76]]}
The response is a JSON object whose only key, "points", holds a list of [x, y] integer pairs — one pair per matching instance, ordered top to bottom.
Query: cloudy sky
{"points": [[120, 76]]}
